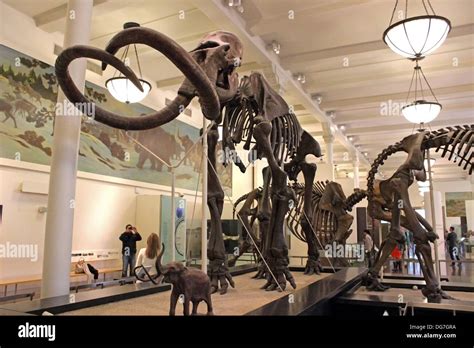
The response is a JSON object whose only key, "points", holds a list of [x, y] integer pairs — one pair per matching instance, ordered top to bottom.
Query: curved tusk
{"points": [[178, 55], [69, 88], [208, 97]]}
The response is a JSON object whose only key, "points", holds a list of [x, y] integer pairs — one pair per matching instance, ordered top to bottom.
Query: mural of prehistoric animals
{"points": [[28, 96]]}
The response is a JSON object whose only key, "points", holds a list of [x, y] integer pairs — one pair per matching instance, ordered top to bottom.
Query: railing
{"points": [[250, 258], [102, 285]]}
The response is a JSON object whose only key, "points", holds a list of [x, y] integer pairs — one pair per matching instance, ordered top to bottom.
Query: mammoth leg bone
{"points": [[264, 212], [244, 215], [276, 250], [313, 265], [217, 271]]}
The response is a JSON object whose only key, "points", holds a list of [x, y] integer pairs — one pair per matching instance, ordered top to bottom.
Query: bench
{"points": [[31, 279], [103, 284], [16, 297]]}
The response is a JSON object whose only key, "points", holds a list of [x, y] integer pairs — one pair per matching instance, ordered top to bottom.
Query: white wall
{"points": [[102, 210]]}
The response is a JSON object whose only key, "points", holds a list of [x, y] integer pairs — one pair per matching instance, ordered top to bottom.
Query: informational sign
{"points": [[179, 232]]}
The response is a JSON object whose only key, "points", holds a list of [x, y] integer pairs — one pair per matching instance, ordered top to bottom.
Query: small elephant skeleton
{"points": [[189, 284]]}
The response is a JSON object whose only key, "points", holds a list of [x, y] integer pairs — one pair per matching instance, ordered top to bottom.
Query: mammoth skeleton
{"points": [[249, 109], [324, 204]]}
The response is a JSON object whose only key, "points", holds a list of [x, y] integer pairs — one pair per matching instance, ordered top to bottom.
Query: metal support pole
{"points": [[63, 171], [204, 200], [173, 214], [433, 216], [380, 247]]}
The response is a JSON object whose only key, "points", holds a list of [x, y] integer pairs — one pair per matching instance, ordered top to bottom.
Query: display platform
{"points": [[338, 293], [244, 298], [404, 298], [60, 304]]}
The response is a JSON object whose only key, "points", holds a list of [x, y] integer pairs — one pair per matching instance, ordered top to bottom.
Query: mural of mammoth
{"points": [[160, 143]]}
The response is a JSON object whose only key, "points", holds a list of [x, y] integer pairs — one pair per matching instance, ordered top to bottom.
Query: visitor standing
{"points": [[129, 240], [452, 241], [369, 248]]}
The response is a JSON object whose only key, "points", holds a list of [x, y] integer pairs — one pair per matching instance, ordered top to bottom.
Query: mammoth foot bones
{"points": [[313, 266], [261, 271], [278, 275], [220, 277], [372, 283], [435, 295]]}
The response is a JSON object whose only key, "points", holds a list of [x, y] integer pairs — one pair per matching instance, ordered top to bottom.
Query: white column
{"points": [[329, 142], [356, 172], [62, 180], [204, 200], [470, 214], [173, 215], [439, 245]]}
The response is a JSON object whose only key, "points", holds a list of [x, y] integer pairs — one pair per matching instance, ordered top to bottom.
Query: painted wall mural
{"points": [[28, 95], [456, 203]]}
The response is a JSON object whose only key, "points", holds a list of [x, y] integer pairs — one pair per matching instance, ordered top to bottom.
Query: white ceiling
{"points": [[336, 44]]}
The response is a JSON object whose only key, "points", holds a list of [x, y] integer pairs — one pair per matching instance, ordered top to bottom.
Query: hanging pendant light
{"points": [[416, 37], [120, 87], [420, 110]]}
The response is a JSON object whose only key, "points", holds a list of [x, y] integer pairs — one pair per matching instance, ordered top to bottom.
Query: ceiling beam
{"points": [[55, 14], [264, 24], [344, 51], [344, 78], [377, 99], [364, 115], [405, 127]]}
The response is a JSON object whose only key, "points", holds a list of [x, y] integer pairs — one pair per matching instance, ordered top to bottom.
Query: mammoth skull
{"points": [[218, 54]]}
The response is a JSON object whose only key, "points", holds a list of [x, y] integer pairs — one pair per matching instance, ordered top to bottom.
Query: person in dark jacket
{"points": [[129, 240], [452, 241]]}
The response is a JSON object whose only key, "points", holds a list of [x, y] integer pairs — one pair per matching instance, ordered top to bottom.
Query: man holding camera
{"points": [[129, 240]]}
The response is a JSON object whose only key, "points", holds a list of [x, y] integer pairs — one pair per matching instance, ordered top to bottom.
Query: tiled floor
{"points": [[464, 274]]}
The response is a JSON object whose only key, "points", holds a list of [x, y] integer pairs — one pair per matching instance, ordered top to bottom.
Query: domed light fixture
{"points": [[416, 37], [120, 87], [420, 111]]}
